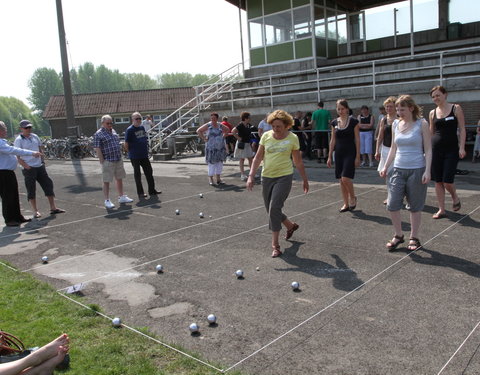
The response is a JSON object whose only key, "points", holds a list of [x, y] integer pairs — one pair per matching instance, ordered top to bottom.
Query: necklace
{"points": [[342, 124]]}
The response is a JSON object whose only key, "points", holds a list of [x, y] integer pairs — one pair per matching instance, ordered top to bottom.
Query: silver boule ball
{"points": [[200, 195], [177, 212], [200, 214], [45, 259], [159, 268], [258, 268], [239, 273], [295, 285], [212, 319], [116, 322], [194, 327]]}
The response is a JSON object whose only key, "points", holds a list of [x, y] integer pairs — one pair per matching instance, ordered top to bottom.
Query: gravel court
{"points": [[328, 217]]}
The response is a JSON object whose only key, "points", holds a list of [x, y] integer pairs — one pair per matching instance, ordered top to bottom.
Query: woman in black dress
{"points": [[445, 121], [345, 141]]}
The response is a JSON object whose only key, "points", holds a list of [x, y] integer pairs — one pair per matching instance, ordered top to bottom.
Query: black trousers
{"points": [[147, 171], [40, 175], [9, 195]]}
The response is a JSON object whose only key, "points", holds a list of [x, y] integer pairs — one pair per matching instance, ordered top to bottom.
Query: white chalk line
{"points": [[33, 230], [165, 233], [6, 265], [110, 274], [348, 294], [458, 349]]}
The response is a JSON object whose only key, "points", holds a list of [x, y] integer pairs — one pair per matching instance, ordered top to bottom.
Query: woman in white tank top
{"points": [[411, 155]]}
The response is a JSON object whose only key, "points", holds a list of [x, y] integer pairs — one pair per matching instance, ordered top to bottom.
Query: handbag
{"points": [[240, 145], [10, 344]]}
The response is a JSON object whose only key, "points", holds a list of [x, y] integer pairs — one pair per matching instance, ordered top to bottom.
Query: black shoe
{"points": [[155, 192], [24, 220], [12, 223]]}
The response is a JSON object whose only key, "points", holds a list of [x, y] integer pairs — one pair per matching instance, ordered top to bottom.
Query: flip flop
{"points": [[456, 206], [57, 211], [439, 216]]}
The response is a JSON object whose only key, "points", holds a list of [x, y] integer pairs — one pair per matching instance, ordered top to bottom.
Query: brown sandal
{"points": [[457, 206], [291, 230], [395, 241], [414, 244], [276, 251]]}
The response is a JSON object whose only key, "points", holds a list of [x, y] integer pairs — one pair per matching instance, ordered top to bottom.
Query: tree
{"points": [[138, 81], [44, 83], [13, 110]]}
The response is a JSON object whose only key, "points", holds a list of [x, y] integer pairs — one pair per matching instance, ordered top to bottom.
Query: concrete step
{"points": [[162, 157]]}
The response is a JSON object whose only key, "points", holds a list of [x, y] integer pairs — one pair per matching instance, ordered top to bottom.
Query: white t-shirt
{"points": [[32, 143]]}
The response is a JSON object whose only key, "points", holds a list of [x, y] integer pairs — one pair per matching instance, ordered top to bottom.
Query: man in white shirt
{"points": [[34, 169], [8, 180]]}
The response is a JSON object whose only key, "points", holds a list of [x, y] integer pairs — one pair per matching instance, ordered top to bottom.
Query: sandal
{"points": [[353, 206], [457, 206], [344, 209], [57, 211], [37, 214], [439, 215], [291, 230], [394, 242], [414, 244], [276, 251]]}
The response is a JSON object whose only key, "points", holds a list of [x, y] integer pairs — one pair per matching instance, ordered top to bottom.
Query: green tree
{"points": [[171, 80], [138, 81], [44, 83], [13, 110]]}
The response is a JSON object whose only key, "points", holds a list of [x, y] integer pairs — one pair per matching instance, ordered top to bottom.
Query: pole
{"points": [[411, 29], [241, 35], [67, 86]]}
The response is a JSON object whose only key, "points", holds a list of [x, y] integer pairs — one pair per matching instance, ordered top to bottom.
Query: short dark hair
{"points": [[320, 104], [364, 107], [214, 114], [244, 115]]}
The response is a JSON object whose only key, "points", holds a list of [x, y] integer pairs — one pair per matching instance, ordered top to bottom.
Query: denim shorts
{"points": [[406, 183]]}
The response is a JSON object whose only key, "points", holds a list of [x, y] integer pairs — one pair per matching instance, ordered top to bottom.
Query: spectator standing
{"points": [[320, 120], [366, 120], [445, 121], [148, 123], [263, 126], [297, 130], [213, 134], [308, 136], [229, 138], [384, 140], [345, 141], [106, 143], [136, 143], [476, 146], [243, 149], [277, 149], [411, 154], [34, 169], [8, 180]]}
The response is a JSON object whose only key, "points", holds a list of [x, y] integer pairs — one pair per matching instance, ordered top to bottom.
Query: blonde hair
{"points": [[390, 99], [407, 101], [281, 115], [105, 118]]}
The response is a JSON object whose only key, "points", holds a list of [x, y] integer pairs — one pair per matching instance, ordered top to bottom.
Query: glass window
{"points": [[464, 11], [302, 22], [320, 22], [331, 25], [356, 26], [278, 28], [342, 28], [255, 32], [121, 120]]}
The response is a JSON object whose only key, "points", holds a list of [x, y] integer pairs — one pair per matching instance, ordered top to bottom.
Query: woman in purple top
{"points": [[446, 120]]}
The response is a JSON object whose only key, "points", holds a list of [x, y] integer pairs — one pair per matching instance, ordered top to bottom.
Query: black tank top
{"points": [[365, 120], [387, 133], [445, 136]]}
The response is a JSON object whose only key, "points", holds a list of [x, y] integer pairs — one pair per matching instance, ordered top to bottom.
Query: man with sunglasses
{"points": [[106, 143], [136, 143]]}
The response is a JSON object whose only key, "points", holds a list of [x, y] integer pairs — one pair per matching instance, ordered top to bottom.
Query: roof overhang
{"points": [[350, 5]]}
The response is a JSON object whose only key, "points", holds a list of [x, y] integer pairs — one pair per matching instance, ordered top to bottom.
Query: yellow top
{"points": [[277, 161]]}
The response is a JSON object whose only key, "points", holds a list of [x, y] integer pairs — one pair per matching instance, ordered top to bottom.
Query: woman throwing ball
{"points": [[277, 148]]}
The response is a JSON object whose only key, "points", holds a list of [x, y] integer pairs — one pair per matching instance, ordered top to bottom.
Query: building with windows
{"points": [[89, 108]]}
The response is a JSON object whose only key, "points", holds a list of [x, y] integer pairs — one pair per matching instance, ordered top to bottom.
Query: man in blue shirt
{"points": [[136, 143], [8, 180]]}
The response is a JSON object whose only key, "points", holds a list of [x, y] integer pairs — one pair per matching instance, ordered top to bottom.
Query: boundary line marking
{"points": [[169, 232], [349, 293], [458, 349]]}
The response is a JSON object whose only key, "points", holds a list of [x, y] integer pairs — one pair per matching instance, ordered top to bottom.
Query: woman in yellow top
{"points": [[277, 148]]}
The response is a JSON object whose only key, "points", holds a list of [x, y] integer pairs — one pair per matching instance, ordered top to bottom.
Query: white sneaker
{"points": [[243, 177], [124, 199], [109, 204]]}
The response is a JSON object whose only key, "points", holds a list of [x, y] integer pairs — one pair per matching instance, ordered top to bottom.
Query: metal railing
{"points": [[213, 88]]}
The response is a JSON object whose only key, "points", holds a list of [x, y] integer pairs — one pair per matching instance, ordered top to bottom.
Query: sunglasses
{"points": [[137, 118], [109, 123]]}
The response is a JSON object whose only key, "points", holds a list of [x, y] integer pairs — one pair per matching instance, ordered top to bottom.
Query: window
{"points": [[464, 11], [302, 22], [320, 22], [278, 28], [256, 33], [122, 120]]}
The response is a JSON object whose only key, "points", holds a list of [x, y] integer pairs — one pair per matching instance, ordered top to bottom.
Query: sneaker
{"points": [[362, 164], [370, 165], [243, 177], [124, 199], [109, 204]]}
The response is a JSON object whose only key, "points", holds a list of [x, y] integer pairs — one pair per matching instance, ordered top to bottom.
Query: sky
{"points": [[140, 36]]}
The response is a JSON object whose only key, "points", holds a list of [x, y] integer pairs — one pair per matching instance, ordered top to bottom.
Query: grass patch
{"points": [[34, 312]]}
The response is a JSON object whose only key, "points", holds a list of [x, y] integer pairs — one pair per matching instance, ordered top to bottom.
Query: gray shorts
{"points": [[111, 169], [406, 183]]}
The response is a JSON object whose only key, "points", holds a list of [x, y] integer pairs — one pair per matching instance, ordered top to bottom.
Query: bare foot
{"points": [[48, 351], [48, 366]]}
